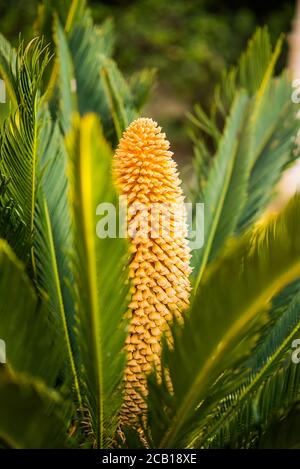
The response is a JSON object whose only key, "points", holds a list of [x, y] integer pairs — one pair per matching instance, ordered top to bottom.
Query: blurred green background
{"points": [[189, 43]]}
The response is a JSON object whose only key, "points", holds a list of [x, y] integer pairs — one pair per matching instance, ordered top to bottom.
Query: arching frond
{"points": [[8, 62], [103, 89], [20, 135], [224, 194], [238, 195], [12, 227], [53, 241], [259, 265], [100, 286], [32, 343], [269, 384], [32, 416]]}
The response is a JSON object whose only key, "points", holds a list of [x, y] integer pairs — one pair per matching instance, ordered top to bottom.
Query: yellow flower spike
{"points": [[159, 267]]}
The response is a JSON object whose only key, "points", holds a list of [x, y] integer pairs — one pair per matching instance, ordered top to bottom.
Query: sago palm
{"points": [[125, 342]]}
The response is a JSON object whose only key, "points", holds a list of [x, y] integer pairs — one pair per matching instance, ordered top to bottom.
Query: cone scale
{"points": [[159, 264]]}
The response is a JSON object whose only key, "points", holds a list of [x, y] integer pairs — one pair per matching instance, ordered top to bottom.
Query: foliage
{"points": [[189, 44], [240, 180], [233, 381]]}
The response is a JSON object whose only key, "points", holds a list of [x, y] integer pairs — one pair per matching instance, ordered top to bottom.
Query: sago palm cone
{"points": [[159, 265]]}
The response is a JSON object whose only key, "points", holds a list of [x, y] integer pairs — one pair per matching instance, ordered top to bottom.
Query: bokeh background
{"points": [[189, 43]]}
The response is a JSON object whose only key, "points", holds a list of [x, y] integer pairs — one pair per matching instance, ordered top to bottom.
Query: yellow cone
{"points": [[159, 267]]}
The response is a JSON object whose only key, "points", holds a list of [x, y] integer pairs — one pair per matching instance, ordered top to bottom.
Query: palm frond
{"points": [[76, 11], [69, 12], [8, 61], [252, 73], [66, 75], [141, 84], [102, 90], [119, 97], [204, 122], [272, 123], [274, 128], [20, 135], [265, 149], [224, 194], [12, 227], [53, 240], [259, 265], [100, 285], [32, 343], [268, 385], [254, 414], [31, 415], [283, 432]]}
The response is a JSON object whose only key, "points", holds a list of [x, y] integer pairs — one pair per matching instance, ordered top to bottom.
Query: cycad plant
{"points": [[113, 342]]}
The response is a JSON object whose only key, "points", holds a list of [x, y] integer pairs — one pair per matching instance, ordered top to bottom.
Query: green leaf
{"points": [[69, 13], [75, 13], [8, 60], [256, 60], [253, 71], [66, 78], [141, 85], [103, 89], [119, 97], [271, 122], [204, 123], [274, 127], [20, 135], [224, 194], [235, 195], [12, 227], [53, 241], [251, 271], [100, 280], [32, 344], [269, 382], [31, 415], [284, 432]]}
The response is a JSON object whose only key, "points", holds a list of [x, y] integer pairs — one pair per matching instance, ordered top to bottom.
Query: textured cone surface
{"points": [[159, 265]]}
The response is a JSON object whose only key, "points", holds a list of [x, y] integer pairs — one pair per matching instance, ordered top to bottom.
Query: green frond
{"points": [[76, 11], [69, 13], [8, 61], [257, 61], [255, 68], [66, 78], [141, 84], [102, 90], [119, 97], [203, 122], [271, 125], [273, 130], [20, 135], [202, 163], [224, 194], [235, 195], [12, 227], [53, 242], [258, 265], [100, 279], [32, 343], [227, 379], [269, 383], [31, 415], [283, 432]]}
